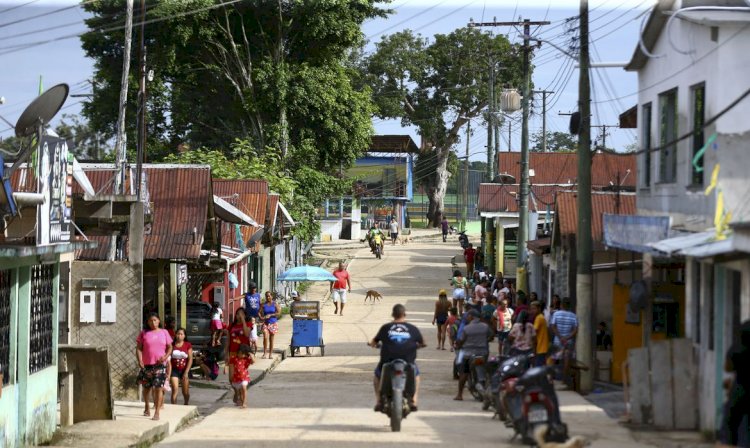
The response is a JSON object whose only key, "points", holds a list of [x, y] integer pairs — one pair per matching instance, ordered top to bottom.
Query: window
{"points": [[698, 94], [668, 133], [646, 143], [5, 289], [42, 310]]}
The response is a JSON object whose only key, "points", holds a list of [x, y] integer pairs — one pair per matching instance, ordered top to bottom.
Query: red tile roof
{"points": [[562, 168], [251, 197], [182, 198], [503, 198], [566, 210]]}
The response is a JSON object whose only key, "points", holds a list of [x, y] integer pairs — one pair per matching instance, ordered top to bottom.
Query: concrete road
{"points": [[327, 401]]}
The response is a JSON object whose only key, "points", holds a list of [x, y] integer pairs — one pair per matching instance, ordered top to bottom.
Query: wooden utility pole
{"points": [[141, 104], [544, 117], [604, 127], [465, 212], [523, 215], [584, 296]]}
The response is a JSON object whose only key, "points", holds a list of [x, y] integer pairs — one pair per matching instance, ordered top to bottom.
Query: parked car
{"points": [[198, 323]]}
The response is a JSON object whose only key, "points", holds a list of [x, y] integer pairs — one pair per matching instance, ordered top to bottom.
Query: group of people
{"points": [[521, 324]]}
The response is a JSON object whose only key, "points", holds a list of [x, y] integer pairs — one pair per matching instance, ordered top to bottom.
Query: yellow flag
{"points": [[714, 180]]}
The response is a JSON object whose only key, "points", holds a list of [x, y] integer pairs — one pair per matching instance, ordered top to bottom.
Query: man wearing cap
{"points": [[293, 312], [474, 341]]}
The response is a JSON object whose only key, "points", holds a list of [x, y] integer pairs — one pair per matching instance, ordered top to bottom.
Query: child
{"points": [[451, 325], [217, 327], [253, 336], [207, 360], [241, 375]]}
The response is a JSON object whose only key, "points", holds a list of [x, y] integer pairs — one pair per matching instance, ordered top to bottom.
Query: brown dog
{"points": [[373, 295], [573, 442]]}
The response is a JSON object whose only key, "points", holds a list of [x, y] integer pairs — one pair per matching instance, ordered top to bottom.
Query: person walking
{"points": [[444, 227], [394, 231], [469, 254], [459, 284], [340, 287], [252, 311], [269, 314], [440, 316], [503, 318], [565, 328], [239, 334], [542, 334], [522, 335], [474, 340], [153, 348], [182, 361], [241, 374], [736, 421]]}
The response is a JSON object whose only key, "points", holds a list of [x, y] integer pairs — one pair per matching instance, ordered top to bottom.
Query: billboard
{"points": [[382, 177], [55, 182]]}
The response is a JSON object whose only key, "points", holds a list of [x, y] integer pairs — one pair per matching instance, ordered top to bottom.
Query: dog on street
{"points": [[373, 296], [573, 442]]}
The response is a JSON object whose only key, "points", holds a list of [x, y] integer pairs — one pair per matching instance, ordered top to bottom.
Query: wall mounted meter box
{"points": [[219, 294], [108, 306], [88, 307]]}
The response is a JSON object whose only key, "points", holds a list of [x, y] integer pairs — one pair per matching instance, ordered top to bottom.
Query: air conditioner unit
{"points": [[219, 294]]}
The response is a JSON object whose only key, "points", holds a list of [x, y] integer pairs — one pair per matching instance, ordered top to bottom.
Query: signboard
{"points": [[382, 177], [55, 182], [633, 232], [182, 274]]}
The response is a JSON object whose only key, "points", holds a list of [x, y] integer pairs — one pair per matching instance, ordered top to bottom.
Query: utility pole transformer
{"points": [[584, 296]]}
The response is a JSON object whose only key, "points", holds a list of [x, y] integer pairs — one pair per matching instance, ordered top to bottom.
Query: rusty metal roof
{"points": [[393, 143], [562, 168], [250, 196], [503, 198], [182, 200], [566, 210]]}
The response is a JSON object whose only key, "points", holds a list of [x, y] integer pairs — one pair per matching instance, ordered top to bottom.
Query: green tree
{"points": [[438, 86], [556, 141], [85, 143]]}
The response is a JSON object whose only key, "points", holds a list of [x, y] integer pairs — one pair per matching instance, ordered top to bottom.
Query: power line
{"points": [[18, 6], [44, 14]]}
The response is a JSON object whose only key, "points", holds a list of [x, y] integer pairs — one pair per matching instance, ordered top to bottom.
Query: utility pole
{"points": [[142, 104], [544, 117], [491, 121], [604, 127], [510, 134], [120, 146], [465, 212], [523, 214], [584, 296]]}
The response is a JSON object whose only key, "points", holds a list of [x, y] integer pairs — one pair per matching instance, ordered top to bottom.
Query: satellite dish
{"points": [[41, 110]]}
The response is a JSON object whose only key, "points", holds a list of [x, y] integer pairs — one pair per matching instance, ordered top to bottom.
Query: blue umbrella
{"points": [[307, 274]]}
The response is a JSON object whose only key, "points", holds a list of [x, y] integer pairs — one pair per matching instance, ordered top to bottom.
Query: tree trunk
{"points": [[436, 193]]}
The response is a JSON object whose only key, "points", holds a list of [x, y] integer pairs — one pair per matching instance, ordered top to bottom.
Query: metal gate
{"points": [[42, 312]]}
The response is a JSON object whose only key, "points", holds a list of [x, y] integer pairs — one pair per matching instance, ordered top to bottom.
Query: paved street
{"points": [[314, 401]]}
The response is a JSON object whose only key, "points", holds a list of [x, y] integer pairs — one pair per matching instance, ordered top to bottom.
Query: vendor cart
{"points": [[307, 328]]}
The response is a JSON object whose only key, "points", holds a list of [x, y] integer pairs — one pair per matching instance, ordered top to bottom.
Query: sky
{"points": [[614, 26]]}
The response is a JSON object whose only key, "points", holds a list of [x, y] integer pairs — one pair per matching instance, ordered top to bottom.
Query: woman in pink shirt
{"points": [[154, 347]]}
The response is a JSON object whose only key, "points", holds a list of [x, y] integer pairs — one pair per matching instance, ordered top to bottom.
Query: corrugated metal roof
{"points": [[392, 143], [562, 168], [250, 196], [503, 198], [182, 199], [273, 208], [566, 210]]}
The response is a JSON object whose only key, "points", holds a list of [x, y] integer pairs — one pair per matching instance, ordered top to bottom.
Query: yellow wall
{"points": [[499, 246], [624, 336]]}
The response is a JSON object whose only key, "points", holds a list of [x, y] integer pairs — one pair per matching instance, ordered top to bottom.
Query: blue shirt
{"points": [[252, 304], [566, 322]]}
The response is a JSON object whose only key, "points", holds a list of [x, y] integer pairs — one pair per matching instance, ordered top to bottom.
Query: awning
{"points": [[229, 213], [286, 213], [675, 244], [698, 245], [539, 246]]}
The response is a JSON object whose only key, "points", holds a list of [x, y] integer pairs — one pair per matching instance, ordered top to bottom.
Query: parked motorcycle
{"points": [[463, 239], [477, 380], [396, 391], [491, 391], [509, 397], [539, 407]]}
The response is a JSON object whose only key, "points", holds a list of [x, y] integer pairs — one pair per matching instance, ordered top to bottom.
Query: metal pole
{"points": [[142, 104], [491, 121], [544, 121], [510, 134], [465, 207], [523, 213], [584, 297]]}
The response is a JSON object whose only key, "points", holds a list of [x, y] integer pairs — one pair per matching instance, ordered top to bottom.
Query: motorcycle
{"points": [[463, 239], [378, 249], [477, 380], [397, 385], [490, 390], [509, 398], [539, 407]]}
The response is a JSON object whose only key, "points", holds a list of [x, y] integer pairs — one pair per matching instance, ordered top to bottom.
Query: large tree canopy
{"points": [[438, 86], [556, 141]]}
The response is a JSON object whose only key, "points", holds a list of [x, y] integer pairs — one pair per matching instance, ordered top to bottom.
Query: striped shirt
{"points": [[566, 322]]}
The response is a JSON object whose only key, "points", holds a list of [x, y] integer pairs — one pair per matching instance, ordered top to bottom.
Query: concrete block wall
{"points": [[119, 336]]}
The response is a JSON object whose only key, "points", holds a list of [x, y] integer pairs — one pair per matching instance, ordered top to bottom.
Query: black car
{"points": [[198, 324]]}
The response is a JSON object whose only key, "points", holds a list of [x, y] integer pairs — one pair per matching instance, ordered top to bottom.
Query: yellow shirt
{"points": [[542, 334]]}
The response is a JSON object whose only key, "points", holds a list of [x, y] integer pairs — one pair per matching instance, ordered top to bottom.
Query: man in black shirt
{"points": [[399, 340]]}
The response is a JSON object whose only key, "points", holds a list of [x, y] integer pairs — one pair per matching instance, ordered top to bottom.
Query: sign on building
{"points": [[55, 182]]}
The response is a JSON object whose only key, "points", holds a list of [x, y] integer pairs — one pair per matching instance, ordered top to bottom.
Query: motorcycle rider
{"points": [[375, 237], [399, 340], [473, 341]]}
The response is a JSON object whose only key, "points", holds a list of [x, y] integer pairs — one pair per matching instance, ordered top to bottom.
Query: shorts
{"points": [[394, 236], [459, 294], [339, 295], [442, 319], [216, 325], [272, 328], [502, 335], [379, 369], [177, 373], [152, 376], [240, 384]]}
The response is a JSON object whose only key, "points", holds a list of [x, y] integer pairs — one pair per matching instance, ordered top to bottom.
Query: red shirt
{"points": [[469, 254], [341, 278], [237, 337], [180, 356], [240, 372]]}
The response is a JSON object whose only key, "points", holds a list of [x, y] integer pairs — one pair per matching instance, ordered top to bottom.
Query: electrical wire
{"points": [[18, 6], [44, 14]]}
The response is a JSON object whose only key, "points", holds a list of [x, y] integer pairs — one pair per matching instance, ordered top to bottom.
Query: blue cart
{"points": [[307, 328]]}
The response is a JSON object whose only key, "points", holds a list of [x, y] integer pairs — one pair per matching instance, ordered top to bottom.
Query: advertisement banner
{"points": [[55, 182]]}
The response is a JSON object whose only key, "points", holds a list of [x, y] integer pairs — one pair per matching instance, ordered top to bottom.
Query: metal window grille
{"points": [[5, 287], [42, 295]]}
